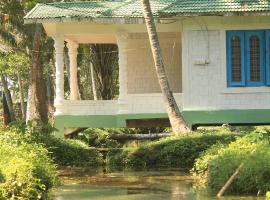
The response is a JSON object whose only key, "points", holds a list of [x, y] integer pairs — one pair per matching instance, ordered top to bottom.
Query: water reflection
{"points": [[84, 184]]}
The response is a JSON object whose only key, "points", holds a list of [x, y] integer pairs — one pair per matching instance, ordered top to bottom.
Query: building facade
{"points": [[216, 57]]}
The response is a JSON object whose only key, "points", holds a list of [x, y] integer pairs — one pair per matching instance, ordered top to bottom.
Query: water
{"points": [[84, 184]]}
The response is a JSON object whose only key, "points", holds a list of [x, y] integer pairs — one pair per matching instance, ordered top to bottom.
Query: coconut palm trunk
{"points": [[177, 122]]}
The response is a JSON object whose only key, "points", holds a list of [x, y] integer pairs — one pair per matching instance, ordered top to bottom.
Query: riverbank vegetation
{"points": [[171, 152], [30, 158], [29, 161], [216, 165], [27, 170]]}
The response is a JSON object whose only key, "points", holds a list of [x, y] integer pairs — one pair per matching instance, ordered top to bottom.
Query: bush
{"points": [[95, 137], [99, 137], [65, 152], [69, 152], [172, 152], [216, 165], [27, 171]]}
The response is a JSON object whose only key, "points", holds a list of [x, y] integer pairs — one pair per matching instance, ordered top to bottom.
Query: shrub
{"points": [[99, 137], [69, 152], [172, 152], [216, 165], [27, 171], [267, 195]]}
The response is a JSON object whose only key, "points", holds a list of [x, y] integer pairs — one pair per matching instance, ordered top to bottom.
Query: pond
{"points": [[84, 184]]}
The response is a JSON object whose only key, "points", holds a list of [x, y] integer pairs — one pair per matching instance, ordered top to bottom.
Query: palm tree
{"points": [[177, 122]]}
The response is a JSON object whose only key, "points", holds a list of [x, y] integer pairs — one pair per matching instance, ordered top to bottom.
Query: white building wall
{"points": [[141, 73], [205, 85]]}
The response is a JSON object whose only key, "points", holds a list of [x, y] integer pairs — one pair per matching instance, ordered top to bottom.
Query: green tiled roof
{"points": [[132, 9]]}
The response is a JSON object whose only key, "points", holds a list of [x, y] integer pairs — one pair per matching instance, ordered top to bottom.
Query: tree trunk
{"points": [[105, 66], [93, 81], [21, 96], [8, 97], [37, 107], [177, 122]]}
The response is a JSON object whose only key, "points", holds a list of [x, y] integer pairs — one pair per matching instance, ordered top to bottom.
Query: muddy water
{"points": [[84, 184]]}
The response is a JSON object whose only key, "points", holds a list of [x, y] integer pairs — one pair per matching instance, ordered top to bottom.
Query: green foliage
{"points": [[18, 63], [95, 137], [100, 137], [65, 152], [69, 152], [172, 152], [27, 157], [216, 165], [27, 171], [267, 195]]}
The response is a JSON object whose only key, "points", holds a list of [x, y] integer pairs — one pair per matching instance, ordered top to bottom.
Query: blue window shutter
{"points": [[267, 54], [251, 56], [231, 82]]}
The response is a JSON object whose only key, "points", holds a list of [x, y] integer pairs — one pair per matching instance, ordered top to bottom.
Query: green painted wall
{"points": [[252, 116], [256, 116]]}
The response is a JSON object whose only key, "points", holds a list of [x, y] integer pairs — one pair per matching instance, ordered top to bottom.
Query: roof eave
{"points": [[223, 14], [103, 20], [138, 20]]}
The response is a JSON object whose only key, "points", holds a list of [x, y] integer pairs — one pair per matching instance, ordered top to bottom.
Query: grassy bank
{"points": [[172, 152], [28, 162], [215, 166]]}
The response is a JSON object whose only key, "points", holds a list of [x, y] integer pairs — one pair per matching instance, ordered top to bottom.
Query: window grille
{"points": [[254, 46], [236, 59]]}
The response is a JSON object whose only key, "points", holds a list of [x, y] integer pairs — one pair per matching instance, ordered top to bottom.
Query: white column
{"points": [[122, 48], [73, 53], [59, 74]]}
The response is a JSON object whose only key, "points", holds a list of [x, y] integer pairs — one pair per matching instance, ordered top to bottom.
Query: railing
{"points": [[136, 103], [150, 103], [91, 107]]}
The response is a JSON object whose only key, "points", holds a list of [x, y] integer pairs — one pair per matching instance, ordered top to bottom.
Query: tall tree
{"points": [[37, 108], [177, 122]]}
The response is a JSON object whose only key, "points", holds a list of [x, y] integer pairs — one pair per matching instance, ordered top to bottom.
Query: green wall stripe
{"points": [[254, 116]]}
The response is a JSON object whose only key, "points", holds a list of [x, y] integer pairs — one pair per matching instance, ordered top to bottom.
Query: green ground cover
{"points": [[172, 152], [215, 166]]}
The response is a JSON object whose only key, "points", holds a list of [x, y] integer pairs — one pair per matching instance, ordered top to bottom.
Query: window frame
{"points": [[229, 35], [260, 35], [264, 40], [267, 55]]}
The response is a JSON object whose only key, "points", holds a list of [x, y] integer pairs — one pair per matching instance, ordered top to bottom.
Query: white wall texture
{"points": [[141, 72], [205, 86]]}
